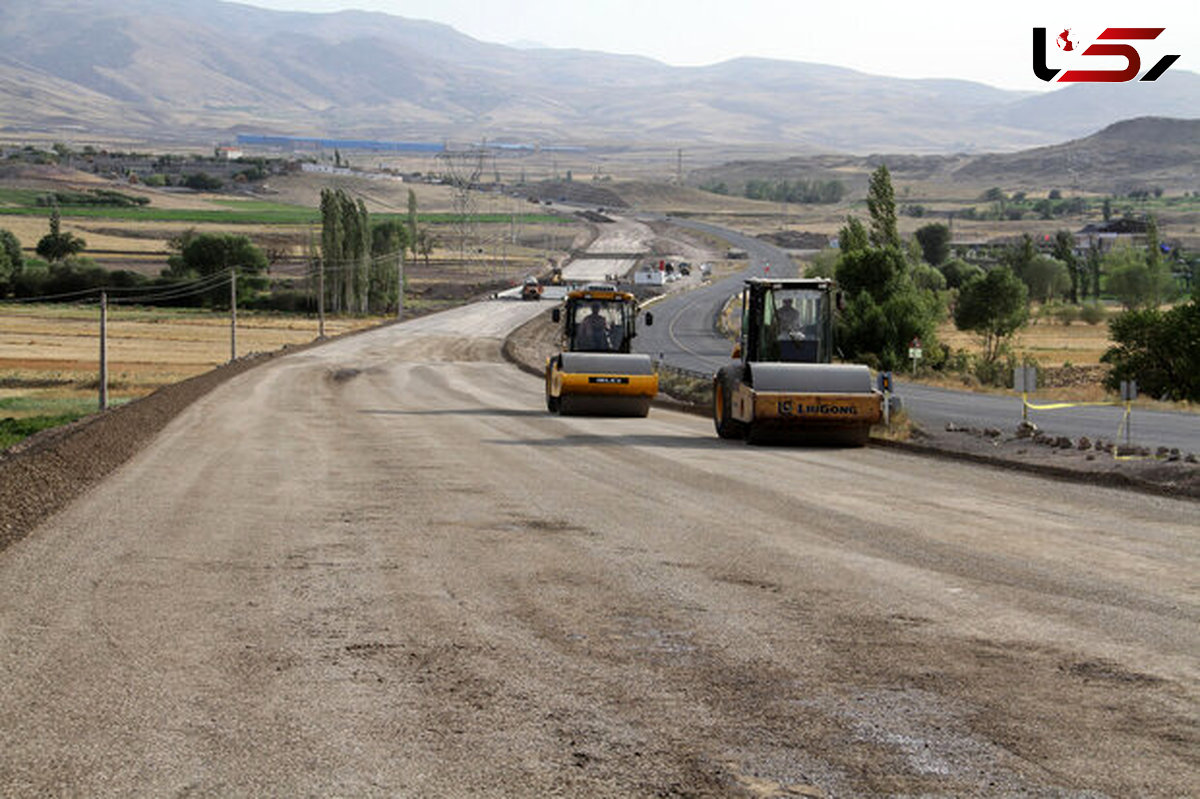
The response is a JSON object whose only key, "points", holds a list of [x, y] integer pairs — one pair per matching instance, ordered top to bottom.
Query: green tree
{"points": [[202, 181], [881, 205], [412, 221], [853, 236], [389, 241], [935, 243], [425, 244], [57, 246], [1064, 251], [346, 252], [212, 254], [1019, 256], [11, 261], [823, 264], [877, 271], [957, 272], [928, 278], [1047, 278], [1131, 280], [994, 307], [1158, 349]]}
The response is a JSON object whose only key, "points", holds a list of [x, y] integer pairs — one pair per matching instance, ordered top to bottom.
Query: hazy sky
{"points": [[986, 41]]}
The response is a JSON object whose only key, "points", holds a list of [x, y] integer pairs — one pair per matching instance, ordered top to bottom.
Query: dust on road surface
{"points": [[378, 567]]}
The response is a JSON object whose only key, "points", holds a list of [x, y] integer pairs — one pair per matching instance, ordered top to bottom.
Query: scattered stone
{"points": [[951, 427], [1026, 429], [992, 432], [1064, 442], [1084, 443], [1162, 452], [1174, 455], [1091, 456], [1191, 458]]}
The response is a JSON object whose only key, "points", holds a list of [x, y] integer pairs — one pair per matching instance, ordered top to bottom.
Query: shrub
{"points": [[1093, 313], [1066, 314], [1160, 350]]}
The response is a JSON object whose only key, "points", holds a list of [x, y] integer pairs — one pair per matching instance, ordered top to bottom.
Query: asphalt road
{"points": [[684, 331], [684, 335], [379, 568]]}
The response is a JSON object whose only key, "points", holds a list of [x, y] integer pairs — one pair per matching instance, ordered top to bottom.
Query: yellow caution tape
{"points": [[1055, 406]]}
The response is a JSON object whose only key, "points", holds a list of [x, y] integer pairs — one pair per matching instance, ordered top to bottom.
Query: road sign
{"points": [[1025, 379], [1129, 390]]}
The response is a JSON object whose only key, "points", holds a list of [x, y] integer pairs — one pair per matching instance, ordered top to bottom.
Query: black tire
{"points": [[553, 404], [726, 426]]}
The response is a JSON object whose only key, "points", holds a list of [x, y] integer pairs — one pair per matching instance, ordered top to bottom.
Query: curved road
{"points": [[684, 332], [684, 336], [379, 568]]}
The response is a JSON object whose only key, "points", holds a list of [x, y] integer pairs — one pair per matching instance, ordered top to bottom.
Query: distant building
{"points": [[230, 153], [1105, 235]]}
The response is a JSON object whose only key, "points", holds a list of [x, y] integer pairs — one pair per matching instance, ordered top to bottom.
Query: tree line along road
{"points": [[378, 567]]}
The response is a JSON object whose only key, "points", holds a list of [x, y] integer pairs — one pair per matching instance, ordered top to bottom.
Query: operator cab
{"points": [[600, 318], [787, 321]]}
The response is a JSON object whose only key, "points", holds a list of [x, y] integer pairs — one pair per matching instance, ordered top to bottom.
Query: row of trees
{"points": [[784, 191], [359, 260]]}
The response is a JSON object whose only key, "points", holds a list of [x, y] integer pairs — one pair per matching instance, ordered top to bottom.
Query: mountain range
{"points": [[203, 70]]}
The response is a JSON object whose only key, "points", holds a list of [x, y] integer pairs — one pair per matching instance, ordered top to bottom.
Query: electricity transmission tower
{"points": [[461, 170]]}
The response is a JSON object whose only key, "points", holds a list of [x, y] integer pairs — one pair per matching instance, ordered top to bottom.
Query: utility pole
{"points": [[679, 166], [400, 284], [321, 298], [233, 314], [103, 350]]}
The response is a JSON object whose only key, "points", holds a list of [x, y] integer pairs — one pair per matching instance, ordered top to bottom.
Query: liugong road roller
{"points": [[595, 373], [784, 387]]}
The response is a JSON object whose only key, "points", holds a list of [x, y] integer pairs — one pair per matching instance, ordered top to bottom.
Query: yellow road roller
{"points": [[595, 374], [784, 387]]}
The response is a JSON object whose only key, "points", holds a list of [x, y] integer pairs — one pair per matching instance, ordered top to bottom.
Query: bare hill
{"points": [[202, 70], [1148, 151]]}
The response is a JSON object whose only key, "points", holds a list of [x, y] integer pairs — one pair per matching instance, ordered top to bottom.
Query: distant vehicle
{"points": [[685, 270], [531, 289]]}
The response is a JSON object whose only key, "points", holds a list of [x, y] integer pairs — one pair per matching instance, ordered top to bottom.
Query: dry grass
{"points": [[1048, 343], [49, 355]]}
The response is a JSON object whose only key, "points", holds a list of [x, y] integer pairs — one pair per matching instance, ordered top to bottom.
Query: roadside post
{"points": [[233, 314], [103, 350], [914, 352], [1025, 381], [885, 386], [1129, 392]]}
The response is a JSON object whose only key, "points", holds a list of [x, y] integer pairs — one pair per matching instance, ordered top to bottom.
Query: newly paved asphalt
{"points": [[684, 336]]}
